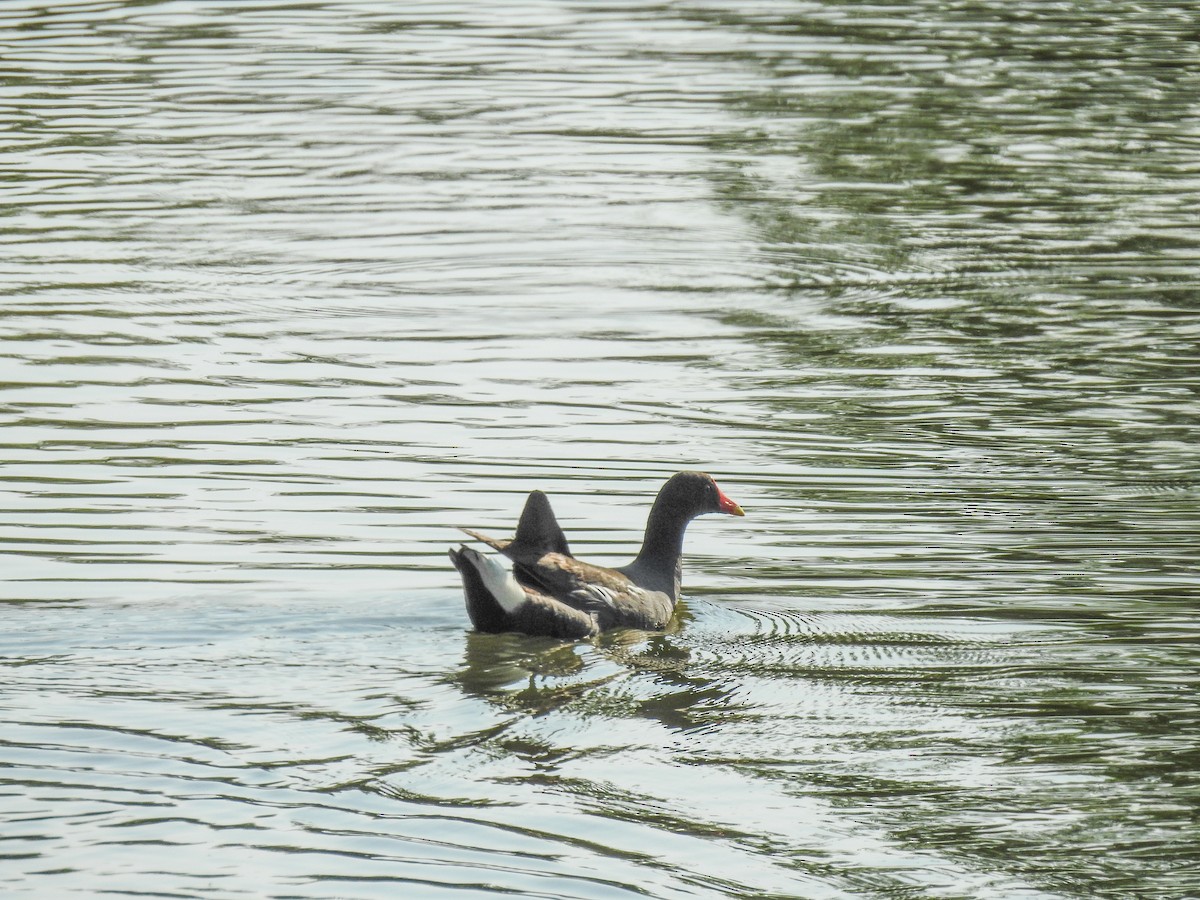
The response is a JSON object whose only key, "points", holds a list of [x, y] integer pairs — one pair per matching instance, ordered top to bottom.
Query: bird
{"points": [[541, 589]]}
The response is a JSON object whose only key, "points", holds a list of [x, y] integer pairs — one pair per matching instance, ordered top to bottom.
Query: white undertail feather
{"points": [[498, 578]]}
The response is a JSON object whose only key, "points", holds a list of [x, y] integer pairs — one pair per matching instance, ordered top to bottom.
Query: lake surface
{"points": [[292, 290]]}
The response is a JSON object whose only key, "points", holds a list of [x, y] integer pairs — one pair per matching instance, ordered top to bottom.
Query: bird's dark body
{"points": [[568, 598]]}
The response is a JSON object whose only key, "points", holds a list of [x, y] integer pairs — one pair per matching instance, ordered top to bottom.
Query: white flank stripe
{"points": [[499, 580]]}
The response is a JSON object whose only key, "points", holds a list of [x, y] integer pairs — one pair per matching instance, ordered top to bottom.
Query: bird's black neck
{"points": [[662, 547]]}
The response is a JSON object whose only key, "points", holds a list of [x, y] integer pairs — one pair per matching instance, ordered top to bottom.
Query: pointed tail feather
{"points": [[490, 541]]}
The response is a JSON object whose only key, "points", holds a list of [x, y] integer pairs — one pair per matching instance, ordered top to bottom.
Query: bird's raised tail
{"points": [[492, 592]]}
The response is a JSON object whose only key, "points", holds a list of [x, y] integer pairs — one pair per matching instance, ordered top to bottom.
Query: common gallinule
{"points": [[547, 591]]}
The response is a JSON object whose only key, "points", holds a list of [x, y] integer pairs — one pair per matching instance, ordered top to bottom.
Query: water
{"points": [[290, 291]]}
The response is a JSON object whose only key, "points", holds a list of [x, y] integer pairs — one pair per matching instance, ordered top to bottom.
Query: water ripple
{"points": [[291, 292]]}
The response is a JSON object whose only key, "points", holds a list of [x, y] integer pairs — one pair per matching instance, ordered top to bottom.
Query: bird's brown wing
{"points": [[605, 593]]}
